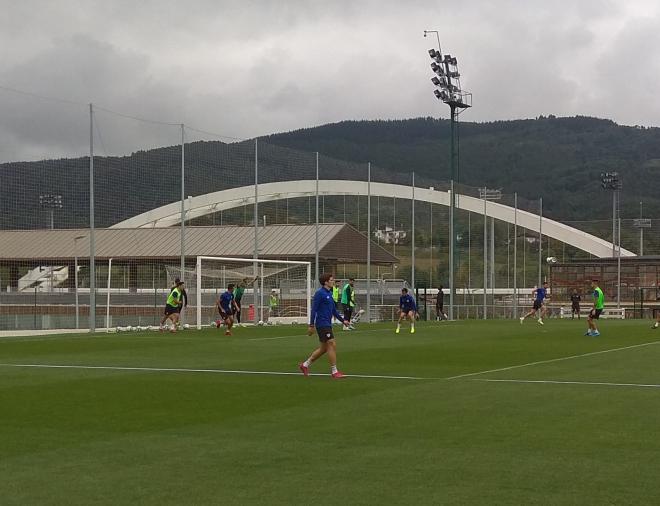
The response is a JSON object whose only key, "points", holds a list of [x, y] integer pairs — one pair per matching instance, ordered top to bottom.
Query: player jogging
{"points": [[539, 296], [348, 302], [575, 304], [173, 305], [439, 305], [226, 307], [407, 308], [323, 309], [594, 314]]}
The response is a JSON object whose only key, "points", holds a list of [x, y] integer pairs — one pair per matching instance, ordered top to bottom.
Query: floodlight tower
{"points": [[448, 89], [611, 181], [51, 202]]}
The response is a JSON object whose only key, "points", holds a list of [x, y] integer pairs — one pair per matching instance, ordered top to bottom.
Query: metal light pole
{"points": [[448, 89], [611, 181], [51, 202], [641, 224]]}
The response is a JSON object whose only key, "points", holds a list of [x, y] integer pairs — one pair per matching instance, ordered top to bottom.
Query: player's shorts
{"points": [[538, 304], [576, 307], [171, 309], [223, 314], [595, 314], [325, 334]]}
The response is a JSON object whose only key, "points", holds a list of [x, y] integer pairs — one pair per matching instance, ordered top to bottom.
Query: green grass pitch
{"points": [[462, 413]]}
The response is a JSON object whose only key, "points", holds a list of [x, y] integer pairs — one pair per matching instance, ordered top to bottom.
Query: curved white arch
{"points": [[170, 214]]}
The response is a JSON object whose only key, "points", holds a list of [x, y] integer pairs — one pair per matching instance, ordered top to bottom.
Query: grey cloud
{"points": [[256, 67]]}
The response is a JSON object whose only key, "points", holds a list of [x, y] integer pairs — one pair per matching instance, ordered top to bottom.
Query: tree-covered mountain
{"points": [[559, 159]]}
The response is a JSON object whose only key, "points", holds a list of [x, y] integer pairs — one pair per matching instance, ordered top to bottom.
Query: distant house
{"points": [[390, 236]]}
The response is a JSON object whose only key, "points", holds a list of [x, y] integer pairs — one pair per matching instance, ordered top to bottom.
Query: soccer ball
{"points": [[294, 322], [260, 323], [186, 326]]}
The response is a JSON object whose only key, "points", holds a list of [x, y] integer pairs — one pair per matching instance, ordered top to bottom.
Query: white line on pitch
{"points": [[552, 360], [216, 371], [556, 382]]}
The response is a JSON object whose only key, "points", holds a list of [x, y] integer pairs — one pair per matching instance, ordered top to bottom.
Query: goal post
{"points": [[277, 291]]}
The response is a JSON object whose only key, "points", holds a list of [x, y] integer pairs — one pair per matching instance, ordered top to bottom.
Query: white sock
{"points": [[398, 325], [307, 363], [333, 369]]}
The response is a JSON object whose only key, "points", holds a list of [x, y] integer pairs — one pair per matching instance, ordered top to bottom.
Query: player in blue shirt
{"points": [[540, 294], [226, 307], [407, 308], [323, 309]]}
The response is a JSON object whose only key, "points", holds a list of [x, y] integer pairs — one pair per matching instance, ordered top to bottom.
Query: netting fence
{"points": [[89, 191]]}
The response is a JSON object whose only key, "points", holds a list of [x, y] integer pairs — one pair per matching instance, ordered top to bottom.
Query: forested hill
{"points": [[559, 159]]}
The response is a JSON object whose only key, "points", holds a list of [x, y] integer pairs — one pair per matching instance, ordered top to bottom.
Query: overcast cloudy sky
{"points": [[247, 68]]}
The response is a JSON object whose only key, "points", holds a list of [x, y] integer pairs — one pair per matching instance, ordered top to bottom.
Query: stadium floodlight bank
{"points": [[290, 283]]}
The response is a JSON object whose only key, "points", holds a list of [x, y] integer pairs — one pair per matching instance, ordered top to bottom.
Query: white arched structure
{"points": [[170, 214]]}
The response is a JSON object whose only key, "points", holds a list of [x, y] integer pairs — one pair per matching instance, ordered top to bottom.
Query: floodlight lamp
{"points": [[432, 53], [453, 61], [437, 69], [454, 74], [435, 81], [437, 94], [444, 96]]}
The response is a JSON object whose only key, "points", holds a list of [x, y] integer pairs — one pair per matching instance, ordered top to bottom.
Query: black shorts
{"points": [[537, 304], [576, 307], [172, 310], [348, 312], [223, 314], [594, 314], [325, 334]]}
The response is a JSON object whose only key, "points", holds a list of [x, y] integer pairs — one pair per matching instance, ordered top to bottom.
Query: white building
{"points": [[390, 236]]}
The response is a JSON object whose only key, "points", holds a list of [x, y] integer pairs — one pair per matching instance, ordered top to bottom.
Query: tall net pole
{"points": [[183, 205], [369, 242], [92, 244]]}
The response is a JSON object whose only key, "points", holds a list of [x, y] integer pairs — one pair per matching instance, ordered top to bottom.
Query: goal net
{"points": [[274, 291]]}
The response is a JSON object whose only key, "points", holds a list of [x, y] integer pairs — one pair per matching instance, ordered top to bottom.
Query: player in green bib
{"points": [[173, 305], [594, 314]]}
